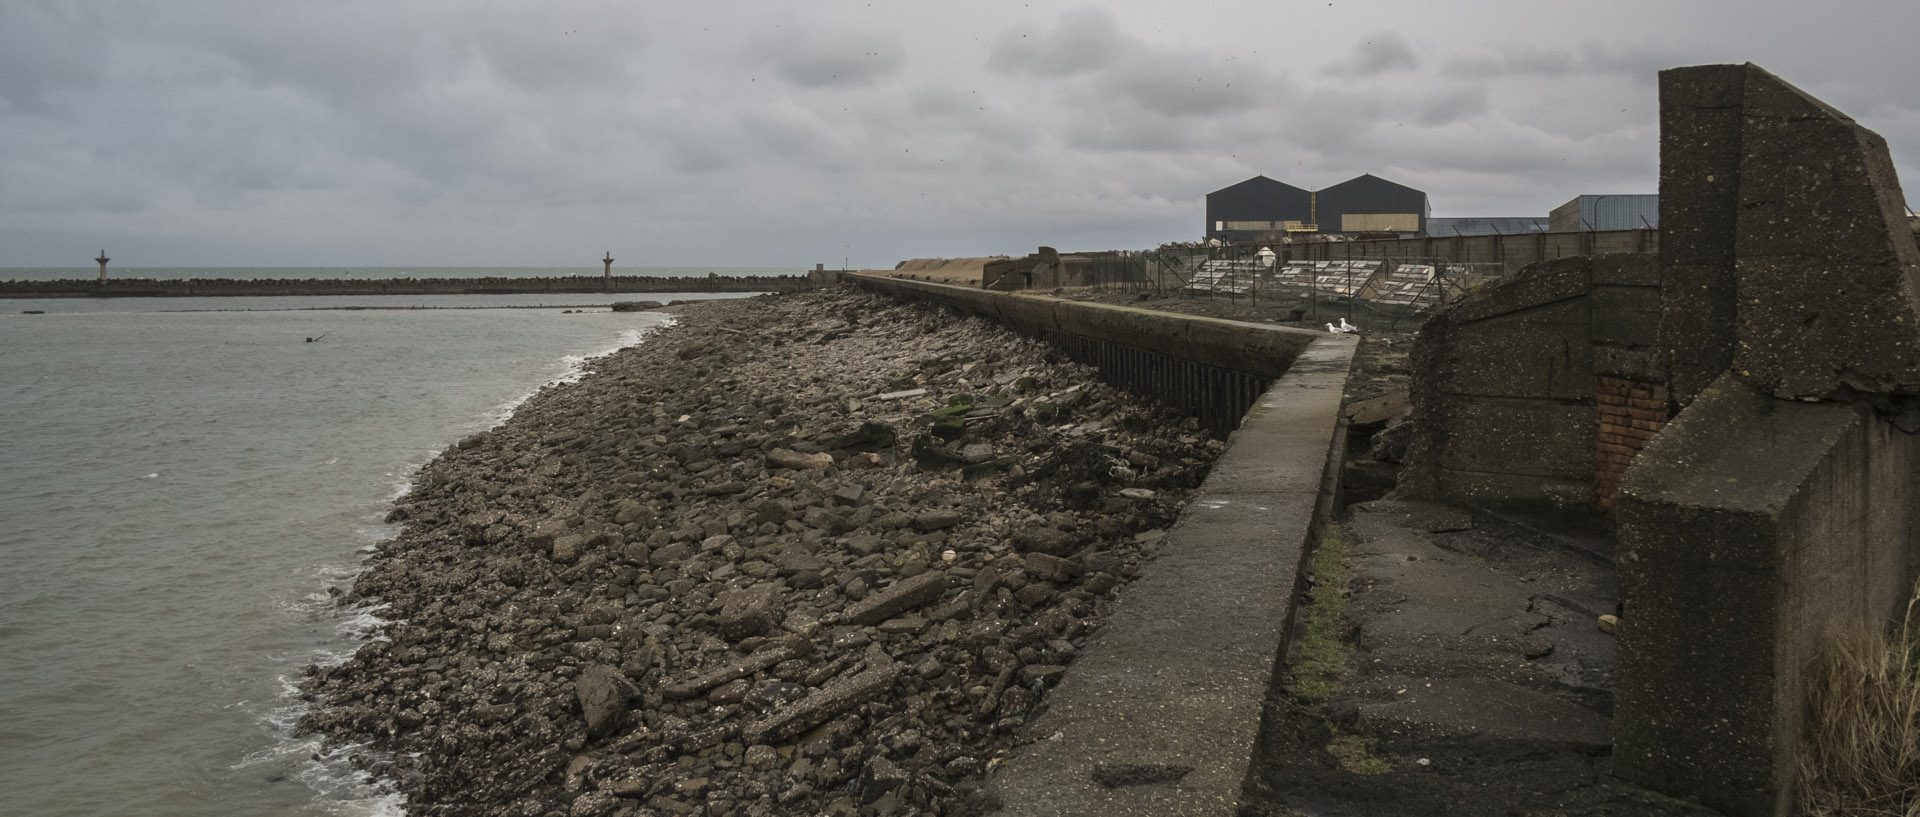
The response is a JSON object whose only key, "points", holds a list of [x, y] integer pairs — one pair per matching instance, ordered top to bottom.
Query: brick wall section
{"points": [[1630, 413]]}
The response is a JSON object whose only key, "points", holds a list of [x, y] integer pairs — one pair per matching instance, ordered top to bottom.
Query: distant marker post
{"points": [[103, 259], [608, 275]]}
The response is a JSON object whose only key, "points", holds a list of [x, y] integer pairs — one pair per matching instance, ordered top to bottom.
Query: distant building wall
{"points": [[1368, 203], [1254, 207], [1609, 211], [1486, 225]]}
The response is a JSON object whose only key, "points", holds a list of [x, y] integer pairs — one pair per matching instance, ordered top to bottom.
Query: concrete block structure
{"points": [[1541, 388], [1747, 409], [1777, 508]]}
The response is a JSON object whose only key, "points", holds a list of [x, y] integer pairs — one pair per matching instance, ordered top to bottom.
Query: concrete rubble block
{"points": [[784, 458], [1735, 560], [906, 594], [749, 612], [760, 659], [604, 695], [836, 697]]}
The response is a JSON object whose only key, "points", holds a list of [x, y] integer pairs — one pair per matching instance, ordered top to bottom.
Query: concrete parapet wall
{"points": [[219, 287], [1211, 367], [1506, 405]]}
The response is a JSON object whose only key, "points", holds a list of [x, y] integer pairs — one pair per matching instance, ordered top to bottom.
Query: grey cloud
{"points": [[1085, 39], [1379, 53], [826, 59], [1640, 62], [1450, 105]]}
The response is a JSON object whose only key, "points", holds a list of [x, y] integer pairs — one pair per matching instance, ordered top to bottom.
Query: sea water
{"points": [[179, 491]]}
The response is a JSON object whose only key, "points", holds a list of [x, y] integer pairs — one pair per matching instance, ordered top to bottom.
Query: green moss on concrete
{"points": [[1320, 655]]}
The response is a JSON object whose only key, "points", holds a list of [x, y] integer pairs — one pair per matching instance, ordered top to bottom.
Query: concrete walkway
{"points": [[1479, 633], [1481, 680], [1161, 714]]}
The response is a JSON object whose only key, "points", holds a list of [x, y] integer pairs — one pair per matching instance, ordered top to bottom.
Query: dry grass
{"points": [[1862, 752]]}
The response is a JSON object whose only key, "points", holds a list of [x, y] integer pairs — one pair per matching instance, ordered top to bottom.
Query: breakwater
{"points": [[216, 287]]}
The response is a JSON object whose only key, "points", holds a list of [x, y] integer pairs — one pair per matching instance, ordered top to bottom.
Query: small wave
{"points": [[575, 367], [328, 772]]}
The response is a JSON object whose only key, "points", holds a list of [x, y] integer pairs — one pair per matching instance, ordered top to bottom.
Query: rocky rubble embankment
{"points": [[812, 554]]}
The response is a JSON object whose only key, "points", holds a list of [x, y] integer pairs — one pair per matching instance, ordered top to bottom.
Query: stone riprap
{"points": [[719, 575]]}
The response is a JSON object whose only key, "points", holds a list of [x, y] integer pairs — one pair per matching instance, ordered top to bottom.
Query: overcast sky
{"points": [[764, 133]]}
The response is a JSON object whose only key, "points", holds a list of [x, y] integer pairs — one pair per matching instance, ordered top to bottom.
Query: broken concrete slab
{"points": [[906, 594], [836, 697]]}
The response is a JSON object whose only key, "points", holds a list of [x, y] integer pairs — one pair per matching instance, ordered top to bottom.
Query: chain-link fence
{"points": [[1369, 289]]}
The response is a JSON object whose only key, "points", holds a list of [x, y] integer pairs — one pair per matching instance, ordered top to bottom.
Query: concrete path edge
{"points": [[1161, 714]]}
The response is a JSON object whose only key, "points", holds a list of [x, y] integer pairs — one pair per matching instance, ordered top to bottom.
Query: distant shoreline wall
{"points": [[221, 287]]}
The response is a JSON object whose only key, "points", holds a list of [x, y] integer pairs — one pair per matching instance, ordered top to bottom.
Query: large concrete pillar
{"points": [[1777, 507]]}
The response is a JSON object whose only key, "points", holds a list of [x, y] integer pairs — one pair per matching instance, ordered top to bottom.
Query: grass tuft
{"points": [[1356, 755], [1861, 755]]}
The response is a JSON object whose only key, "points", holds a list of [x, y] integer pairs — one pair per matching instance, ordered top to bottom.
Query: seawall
{"points": [[218, 287], [1214, 368], [1162, 712]]}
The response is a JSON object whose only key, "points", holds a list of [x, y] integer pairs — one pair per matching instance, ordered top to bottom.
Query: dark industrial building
{"points": [[1370, 204], [1256, 209], [1261, 209], [1611, 211]]}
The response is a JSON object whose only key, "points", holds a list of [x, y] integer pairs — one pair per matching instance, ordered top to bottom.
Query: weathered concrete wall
{"points": [[218, 287], [1211, 367], [1507, 403], [1778, 504], [1748, 529]]}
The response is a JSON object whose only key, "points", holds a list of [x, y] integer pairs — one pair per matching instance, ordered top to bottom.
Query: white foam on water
{"points": [[575, 367]]}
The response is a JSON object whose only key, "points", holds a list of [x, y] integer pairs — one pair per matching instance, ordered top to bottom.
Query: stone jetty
{"points": [[820, 553]]}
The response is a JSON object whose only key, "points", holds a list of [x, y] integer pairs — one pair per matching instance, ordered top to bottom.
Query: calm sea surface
{"points": [[183, 273], [178, 491]]}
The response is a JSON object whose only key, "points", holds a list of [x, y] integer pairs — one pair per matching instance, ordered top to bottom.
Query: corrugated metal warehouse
{"points": [[1369, 204], [1255, 208], [1259, 209], [1610, 211]]}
